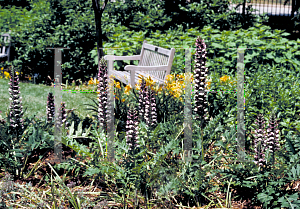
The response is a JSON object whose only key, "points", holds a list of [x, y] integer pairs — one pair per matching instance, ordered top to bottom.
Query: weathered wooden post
{"points": [[57, 102]]}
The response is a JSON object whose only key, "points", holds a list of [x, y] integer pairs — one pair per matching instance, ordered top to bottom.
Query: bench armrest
{"points": [[113, 57]]}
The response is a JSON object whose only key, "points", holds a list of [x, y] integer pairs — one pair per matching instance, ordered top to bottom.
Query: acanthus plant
{"points": [[200, 74], [103, 93], [142, 102], [147, 105], [50, 111], [16, 112], [62, 117], [132, 129], [273, 136], [259, 141], [266, 142]]}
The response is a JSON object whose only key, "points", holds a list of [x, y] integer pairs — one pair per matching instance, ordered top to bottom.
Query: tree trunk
{"points": [[98, 14]]}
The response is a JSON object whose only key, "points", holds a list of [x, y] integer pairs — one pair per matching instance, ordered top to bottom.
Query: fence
{"points": [[271, 7]]}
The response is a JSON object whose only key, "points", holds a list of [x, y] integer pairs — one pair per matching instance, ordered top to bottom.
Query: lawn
{"points": [[34, 97]]}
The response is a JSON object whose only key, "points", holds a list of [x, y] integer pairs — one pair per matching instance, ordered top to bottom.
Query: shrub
{"points": [[52, 24]]}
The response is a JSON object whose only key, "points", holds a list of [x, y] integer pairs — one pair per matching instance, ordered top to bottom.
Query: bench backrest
{"points": [[5, 45], [156, 56]]}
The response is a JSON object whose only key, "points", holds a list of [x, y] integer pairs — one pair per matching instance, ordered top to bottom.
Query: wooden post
{"points": [[57, 93]]}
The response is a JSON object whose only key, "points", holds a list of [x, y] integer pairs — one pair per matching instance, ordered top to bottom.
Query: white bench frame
{"points": [[5, 50], [154, 61]]}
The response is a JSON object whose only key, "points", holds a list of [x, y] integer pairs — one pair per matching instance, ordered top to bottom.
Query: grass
{"points": [[34, 98]]}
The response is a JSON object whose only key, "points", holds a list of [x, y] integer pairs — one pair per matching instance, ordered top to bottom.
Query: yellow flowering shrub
{"points": [[7, 74], [174, 85]]}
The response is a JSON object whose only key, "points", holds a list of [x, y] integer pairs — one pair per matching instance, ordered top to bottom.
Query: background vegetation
{"points": [[271, 84]]}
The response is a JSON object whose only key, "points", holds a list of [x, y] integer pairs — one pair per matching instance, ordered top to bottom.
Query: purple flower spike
{"points": [[200, 75], [102, 96], [147, 105], [50, 109], [16, 112], [132, 129], [266, 140], [259, 141]]}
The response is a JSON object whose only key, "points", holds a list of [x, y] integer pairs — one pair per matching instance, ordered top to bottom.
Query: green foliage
{"points": [[217, 14], [139, 15], [150, 16], [55, 23], [39, 28], [278, 95], [16, 150], [267, 186]]}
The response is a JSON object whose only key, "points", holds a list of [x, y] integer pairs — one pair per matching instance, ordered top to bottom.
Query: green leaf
{"points": [[285, 34], [91, 171]]}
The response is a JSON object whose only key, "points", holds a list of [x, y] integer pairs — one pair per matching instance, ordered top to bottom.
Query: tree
{"points": [[98, 14]]}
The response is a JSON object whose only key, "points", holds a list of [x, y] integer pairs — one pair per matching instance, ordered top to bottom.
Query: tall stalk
{"points": [[200, 74], [103, 92], [16, 112]]}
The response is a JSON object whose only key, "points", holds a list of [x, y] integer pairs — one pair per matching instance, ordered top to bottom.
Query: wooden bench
{"points": [[5, 46], [154, 61]]}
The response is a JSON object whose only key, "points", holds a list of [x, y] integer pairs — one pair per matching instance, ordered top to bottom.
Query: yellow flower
{"points": [[2, 68], [17, 73], [7, 74], [180, 76], [169, 77], [29, 78], [225, 78], [140, 79], [93, 81], [149, 81], [118, 85], [208, 85], [137, 87], [175, 87], [127, 89], [157, 89], [177, 95], [117, 98], [123, 100]]}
